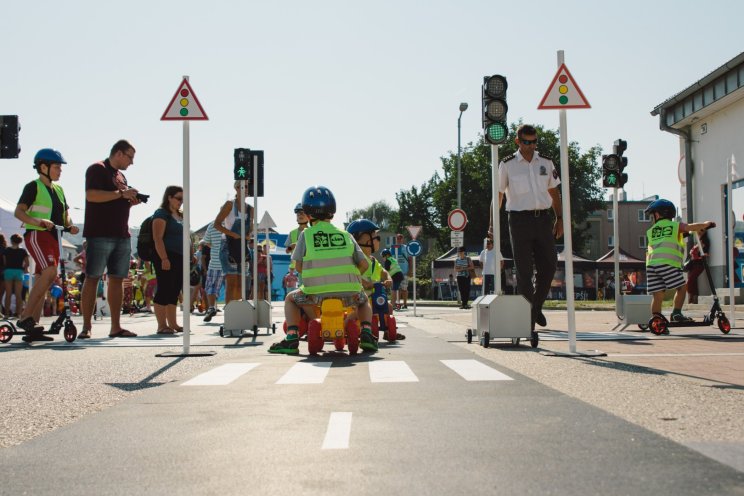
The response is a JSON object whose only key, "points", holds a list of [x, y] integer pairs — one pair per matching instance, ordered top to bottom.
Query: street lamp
{"points": [[463, 108]]}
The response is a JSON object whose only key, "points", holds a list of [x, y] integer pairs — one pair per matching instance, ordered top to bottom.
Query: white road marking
{"points": [[473, 370], [391, 371], [306, 373], [222, 375], [338, 432]]}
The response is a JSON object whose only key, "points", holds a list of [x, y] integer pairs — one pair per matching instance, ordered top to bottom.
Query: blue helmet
{"points": [[48, 156], [318, 202], [298, 208], [664, 208], [361, 226], [386, 253]]}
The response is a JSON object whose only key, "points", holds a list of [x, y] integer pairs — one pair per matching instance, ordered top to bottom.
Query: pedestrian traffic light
{"points": [[493, 97], [10, 128], [259, 154], [242, 162], [613, 166]]}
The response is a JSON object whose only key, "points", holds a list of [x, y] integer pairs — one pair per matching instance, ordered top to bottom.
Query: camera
{"points": [[142, 197]]}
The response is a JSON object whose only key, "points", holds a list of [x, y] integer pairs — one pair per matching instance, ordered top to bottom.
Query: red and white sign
{"points": [[563, 92], [184, 106], [457, 220], [413, 231]]}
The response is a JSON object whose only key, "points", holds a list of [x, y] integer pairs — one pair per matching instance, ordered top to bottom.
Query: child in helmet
{"points": [[42, 206], [365, 234], [665, 255], [330, 262], [393, 268]]}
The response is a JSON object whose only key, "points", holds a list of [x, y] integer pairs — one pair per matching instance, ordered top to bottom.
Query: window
{"points": [[741, 75], [731, 82], [720, 88], [708, 95], [697, 101], [688, 107], [679, 113], [609, 214], [642, 217], [610, 242], [642, 242]]}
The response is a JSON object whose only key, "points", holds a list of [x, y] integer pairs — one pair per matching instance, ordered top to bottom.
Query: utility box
{"points": [[637, 309], [243, 316], [502, 316]]}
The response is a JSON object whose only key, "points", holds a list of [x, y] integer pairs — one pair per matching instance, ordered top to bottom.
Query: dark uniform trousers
{"points": [[533, 246]]}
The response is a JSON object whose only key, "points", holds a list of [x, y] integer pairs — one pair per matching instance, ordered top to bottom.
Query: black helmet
{"points": [[318, 202], [298, 208], [664, 208], [361, 226], [386, 253]]}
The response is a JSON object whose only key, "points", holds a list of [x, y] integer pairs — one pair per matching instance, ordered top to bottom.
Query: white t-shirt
{"points": [[526, 184], [488, 262]]}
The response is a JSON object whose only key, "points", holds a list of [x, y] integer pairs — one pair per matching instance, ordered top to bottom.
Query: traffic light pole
{"points": [[495, 209], [619, 304]]}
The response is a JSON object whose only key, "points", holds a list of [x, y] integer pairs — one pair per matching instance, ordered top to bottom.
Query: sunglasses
{"points": [[528, 142], [179, 198]]}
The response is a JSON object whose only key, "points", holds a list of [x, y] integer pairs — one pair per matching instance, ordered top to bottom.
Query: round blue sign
{"points": [[414, 248]]}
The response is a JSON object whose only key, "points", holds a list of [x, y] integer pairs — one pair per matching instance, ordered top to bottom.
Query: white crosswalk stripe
{"points": [[473, 370], [391, 371], [306, 373], [222, 375]]}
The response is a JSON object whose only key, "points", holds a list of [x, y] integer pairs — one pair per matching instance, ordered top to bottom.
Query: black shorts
{"points": [[397, 279]]}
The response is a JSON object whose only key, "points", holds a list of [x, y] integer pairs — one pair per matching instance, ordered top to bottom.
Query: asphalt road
{"points": [[424, 417]]}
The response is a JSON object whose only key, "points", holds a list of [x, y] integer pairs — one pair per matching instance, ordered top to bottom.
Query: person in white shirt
{"points": [[530, 182], [488, 264]]}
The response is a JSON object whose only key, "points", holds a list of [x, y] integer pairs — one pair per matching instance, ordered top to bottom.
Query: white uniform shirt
{"points": [[526, 184]]}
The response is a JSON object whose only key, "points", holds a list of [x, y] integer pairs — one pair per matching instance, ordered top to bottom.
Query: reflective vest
{"points": [[42, 206], [294, 235], [665, 246], [328, 265], [394, 266], [373, 274]]}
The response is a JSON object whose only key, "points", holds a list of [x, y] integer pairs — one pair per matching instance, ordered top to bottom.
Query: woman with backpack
{"points": [[167, 235]]}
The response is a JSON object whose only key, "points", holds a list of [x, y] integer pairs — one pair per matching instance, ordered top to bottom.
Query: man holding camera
{"points": [[107, 203]]}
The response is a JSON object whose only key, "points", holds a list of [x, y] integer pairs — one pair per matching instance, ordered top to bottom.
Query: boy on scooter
{"points": [[365, 234], [665, 256], [330, 262]]}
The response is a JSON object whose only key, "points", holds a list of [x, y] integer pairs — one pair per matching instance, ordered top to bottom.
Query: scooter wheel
{"points": [[723, 324], [657, 325], [392, 328], [70, 332], [6, 333], [353, 336], [314, 339]]}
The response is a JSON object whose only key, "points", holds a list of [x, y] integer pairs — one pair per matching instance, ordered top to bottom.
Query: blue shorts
{"points": [[107, 253], [13, 274], [214, 282]]}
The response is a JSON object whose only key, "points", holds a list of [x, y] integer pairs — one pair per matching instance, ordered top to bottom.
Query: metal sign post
{"points": [[184, 106]]}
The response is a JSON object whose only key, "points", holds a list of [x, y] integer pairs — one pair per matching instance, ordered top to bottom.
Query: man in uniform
{"points": [[530, 182]]}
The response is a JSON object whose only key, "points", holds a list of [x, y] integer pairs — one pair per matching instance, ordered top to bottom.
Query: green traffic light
{"points": [[496, 133], [241, 172]]}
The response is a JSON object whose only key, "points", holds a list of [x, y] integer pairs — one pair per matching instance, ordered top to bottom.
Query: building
{"points": [[708, 117], [633, 225]]}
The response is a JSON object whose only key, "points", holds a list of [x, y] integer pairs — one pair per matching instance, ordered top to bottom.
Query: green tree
{"points": [[416, 208], [379, 212]]}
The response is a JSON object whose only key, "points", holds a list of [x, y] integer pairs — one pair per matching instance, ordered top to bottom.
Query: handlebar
{"points": [[62, 228]]}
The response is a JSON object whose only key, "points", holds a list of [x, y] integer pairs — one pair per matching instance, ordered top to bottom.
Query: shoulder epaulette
{"points": [[544, 156], [507, 158]]}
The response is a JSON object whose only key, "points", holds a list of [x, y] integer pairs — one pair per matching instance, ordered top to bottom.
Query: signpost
{"points": [[564, 93], [185, 107], [457, 220], [457, 238], [414, 249]]}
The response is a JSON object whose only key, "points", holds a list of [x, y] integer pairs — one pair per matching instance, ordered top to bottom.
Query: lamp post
{"points": [[463, 108]]}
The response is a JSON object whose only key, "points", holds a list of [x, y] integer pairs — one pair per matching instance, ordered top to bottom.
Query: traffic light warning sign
{"points": [[563, 92], [184, 106]]}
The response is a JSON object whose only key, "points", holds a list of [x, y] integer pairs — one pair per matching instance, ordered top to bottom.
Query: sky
{"points": [[360, 97]]}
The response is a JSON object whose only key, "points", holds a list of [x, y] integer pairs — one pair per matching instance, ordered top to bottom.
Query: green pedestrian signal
{"points": [[242, 162], [241, 172]]}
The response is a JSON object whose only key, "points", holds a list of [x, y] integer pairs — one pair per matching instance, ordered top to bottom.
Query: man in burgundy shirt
{"points": [[107, 203]]}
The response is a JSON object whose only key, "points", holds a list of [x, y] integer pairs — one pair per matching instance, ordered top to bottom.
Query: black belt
{"points": [[530, 213]]}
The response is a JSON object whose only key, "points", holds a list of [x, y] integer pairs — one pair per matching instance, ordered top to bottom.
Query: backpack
{"points": [[145, 243]]}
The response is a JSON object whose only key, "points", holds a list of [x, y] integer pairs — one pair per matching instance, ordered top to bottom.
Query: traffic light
{"points": [[493, 99], [10, 128], [242, 164], [613, 166], [260, 167]]}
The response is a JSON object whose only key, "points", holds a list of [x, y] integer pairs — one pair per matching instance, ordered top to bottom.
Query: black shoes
{"points": [[211, 312], [540, 319], [33, 332]]}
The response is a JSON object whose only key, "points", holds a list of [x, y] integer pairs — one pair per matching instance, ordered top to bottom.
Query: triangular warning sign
{"points": [[563, 92], [184, 106]]}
